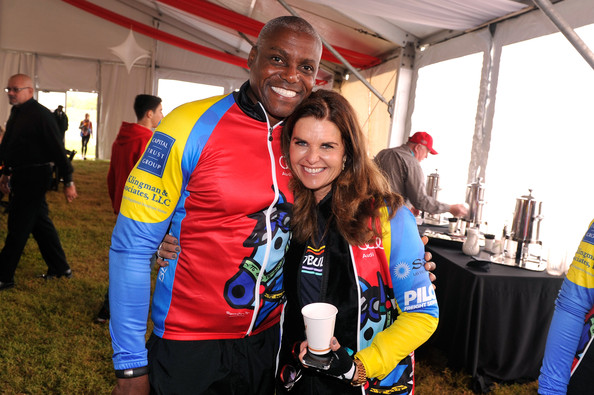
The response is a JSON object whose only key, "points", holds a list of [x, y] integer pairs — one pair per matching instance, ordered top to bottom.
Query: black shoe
{"points": [[51, 276], [6, 285], [103, 316]]}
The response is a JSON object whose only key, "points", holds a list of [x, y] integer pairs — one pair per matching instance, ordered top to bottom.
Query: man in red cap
{"points": [[402, 168]]}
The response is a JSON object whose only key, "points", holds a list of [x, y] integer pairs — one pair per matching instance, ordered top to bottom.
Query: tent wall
{"points": [[490, 41], [62, 47], [12, 63], [118, 89], [372, 113]]}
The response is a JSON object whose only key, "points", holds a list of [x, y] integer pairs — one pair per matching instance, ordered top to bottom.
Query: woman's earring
{"points": [[343, 162]]}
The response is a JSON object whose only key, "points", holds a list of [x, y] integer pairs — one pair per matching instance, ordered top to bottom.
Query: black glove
{"points": [[341, 364]]}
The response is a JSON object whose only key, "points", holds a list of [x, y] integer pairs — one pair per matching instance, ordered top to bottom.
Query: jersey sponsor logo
{"points": [[155, 156], [282, 162], [146, 191], [589, 237], [367, 246], [584, 258], [313, 260], [418, 263], [418, 267], [401, 270], [162, 272], [420, 297], [237, 315]]}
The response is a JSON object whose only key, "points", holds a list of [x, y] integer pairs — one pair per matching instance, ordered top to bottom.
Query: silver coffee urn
{"points": [[432, 188], [475, 198], [522, 246]]}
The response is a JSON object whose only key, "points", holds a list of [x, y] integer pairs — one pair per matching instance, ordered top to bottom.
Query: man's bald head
{"points": [[292, 23], [20, 89]]}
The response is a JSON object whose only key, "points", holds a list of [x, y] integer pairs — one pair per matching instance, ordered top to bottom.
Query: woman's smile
{"points": [[317, 154]]}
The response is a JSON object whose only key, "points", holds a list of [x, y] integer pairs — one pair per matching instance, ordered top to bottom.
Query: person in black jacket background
{"points": [[62, 120], [31, 143]]}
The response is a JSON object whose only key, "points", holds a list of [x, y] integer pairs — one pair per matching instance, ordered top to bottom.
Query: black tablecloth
{"points": [[492, 324]]}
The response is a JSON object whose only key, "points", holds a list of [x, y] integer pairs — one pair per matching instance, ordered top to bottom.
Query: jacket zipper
{"points": [[268, 213]]}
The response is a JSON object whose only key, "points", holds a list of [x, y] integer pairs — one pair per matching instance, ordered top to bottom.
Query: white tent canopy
{"points": [[64, 45]]}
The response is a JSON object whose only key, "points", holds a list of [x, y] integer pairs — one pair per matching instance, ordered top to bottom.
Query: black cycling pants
{"points": [[243, 366]]}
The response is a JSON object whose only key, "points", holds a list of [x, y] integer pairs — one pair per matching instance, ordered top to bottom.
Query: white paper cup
{"points": [[452, 227], [489, 242], [557, 262], [319, 319]]}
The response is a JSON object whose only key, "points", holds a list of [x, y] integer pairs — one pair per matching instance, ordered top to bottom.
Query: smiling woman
{"points": [[317, 154], [353, 243]]}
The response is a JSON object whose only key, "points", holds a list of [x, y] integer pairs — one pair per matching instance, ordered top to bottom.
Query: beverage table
{"points": [[492, 324]]}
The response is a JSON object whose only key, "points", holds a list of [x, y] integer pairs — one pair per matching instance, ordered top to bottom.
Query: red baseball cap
{"points": [[425, 139]]}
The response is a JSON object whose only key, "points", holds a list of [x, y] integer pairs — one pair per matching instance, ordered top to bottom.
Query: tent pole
{"points": [[547, 8], [344, 62]]}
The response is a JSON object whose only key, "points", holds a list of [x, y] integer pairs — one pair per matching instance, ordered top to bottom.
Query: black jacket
{"points": [[32, 138], [338, 288]]}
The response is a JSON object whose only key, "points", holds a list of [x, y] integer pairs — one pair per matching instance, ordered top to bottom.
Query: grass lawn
{"points": [[50, 344]]}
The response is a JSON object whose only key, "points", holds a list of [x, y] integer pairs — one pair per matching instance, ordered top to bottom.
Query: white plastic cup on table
{"points": [[452, 225], [489, 242], [496, 247], [557, 262], [319, 319]]}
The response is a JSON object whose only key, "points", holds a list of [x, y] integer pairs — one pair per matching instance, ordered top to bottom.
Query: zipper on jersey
{"points": [[268, 213]]}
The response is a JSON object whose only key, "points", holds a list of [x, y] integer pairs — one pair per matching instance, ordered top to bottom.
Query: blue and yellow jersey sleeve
{"points": [[414, 296], [575, 300]]}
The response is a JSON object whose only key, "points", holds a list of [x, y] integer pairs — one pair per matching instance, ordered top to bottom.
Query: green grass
{"points": [[48, 341], [50, 344], [432, 376]]}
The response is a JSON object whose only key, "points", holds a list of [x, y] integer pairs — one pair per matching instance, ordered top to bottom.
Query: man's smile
{"points": [[283, 92]]}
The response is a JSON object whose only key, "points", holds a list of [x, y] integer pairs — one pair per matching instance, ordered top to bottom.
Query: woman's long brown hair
{"points": [[358, 192]]}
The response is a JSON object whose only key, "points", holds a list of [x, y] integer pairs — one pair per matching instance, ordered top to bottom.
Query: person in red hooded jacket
{"points": [[130, 144], [125, 152]]}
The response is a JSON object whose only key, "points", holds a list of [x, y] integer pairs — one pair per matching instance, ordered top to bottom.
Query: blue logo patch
{"points": [[156, 154], [589, 237]]}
